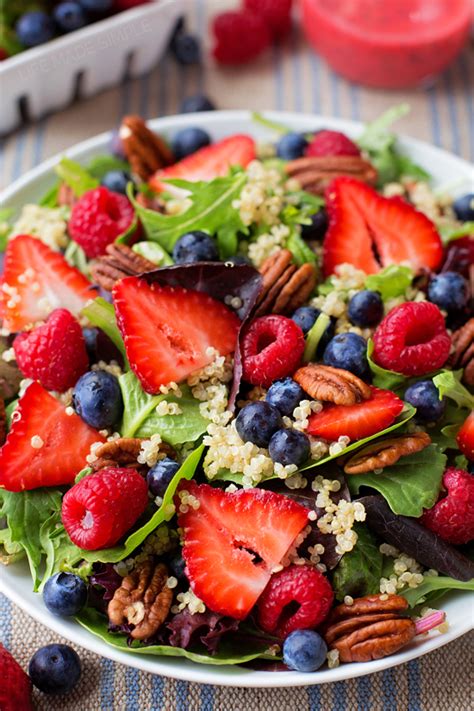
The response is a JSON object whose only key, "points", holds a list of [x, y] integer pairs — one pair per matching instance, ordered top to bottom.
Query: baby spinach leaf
{"points": [[100, 165], [76, 177], [50, 198], [211, 210], [154, 253], [391, 282], [101, 314], [314, 335], [383, 378], [449, 385], [410, 485], [164, 513], [57, 547], [360, 570], [434, 583], [228, 653]]}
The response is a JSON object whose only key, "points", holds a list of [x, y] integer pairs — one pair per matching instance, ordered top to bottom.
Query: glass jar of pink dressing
{"points": [[387, 43]]}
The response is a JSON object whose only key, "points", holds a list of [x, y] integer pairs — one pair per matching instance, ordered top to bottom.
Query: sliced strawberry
{"points": [[208, 163], [372, 232], [37, 281], [168, 330], [356, 421], [465, 438], [45, 445], [225, 534]]}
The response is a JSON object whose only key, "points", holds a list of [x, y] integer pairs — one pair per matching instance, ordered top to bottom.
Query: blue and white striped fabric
{"points": [[290, 78]]}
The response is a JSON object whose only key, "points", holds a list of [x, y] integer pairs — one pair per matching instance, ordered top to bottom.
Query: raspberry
{"points": [[127, 4], [275, 13], [240, 37], [331, 143], [98, 218], [412, 339], [272, 348], [55, 353], [100, 508], [452, 518], [300, 584], [15, 684]]}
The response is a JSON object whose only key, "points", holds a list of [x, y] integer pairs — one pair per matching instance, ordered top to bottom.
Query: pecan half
{"points": [[145, 151], [314, 173], [119, 262], [285, 286], [463, 354], [322, 382], [3, 421], [123, 452], [382, 453], [143, 600], [370, 628]]}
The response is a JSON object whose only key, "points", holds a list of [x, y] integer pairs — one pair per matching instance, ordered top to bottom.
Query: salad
{"points": [[237, 396]]}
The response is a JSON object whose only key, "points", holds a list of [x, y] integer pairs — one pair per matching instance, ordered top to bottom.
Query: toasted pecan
{"points": [[145, 150], [314, 173], [66, 195], [118, 262], [285, 286], [463, 353], [322, 382], [123, 452], [385, 452], [143, 600]]}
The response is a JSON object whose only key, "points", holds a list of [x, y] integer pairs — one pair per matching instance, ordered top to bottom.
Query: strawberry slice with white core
{"points": [[207, 163], [371, 232], [37, 281], [169, 332], [46, 446], [232, 543]]}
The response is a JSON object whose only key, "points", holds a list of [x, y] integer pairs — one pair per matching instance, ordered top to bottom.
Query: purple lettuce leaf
{"points": [[105, 577], [207, 626]]}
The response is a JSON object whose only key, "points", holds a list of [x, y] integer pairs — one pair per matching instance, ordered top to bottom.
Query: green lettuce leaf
{"points": [[100, 165], [76, 177], [50, 198], [211, 210], [449, 233], [300, 250], [154, 253], [76, 257], [391, 282], [102, 314], [314, 335], [382, 378], [449, 385], [410, 485], [164, 513], [57, 547], [359, 571], [431, 584], [228, 653]]}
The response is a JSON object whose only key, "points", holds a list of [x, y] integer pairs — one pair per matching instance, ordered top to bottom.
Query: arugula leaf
{"points": [[100, 165], [76, 177], [211, 210], [449, 233], [300, 250], [154, 253], [76, 257], [391, 282], [102, 315], [449, 385], [140, 418], [410, 485], [164, 513], [25, 514], [359, 571], [432, 583], [228, 653]]}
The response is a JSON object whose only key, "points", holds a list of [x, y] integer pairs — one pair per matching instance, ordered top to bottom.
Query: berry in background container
{"points": [[392, 44]]}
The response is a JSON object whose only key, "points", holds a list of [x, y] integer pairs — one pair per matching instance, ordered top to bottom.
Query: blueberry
{"points": [[97, 5], [69, 16], [33, 28], [186, 49], [198, 102], [188, 141], [291, 146], [116, 181], [464, 207], [318, 226], [195, 247], [240, 260], [449, 291], [365, 308], [306, 317], [90, 337], [348, 351], [285, 395], [424, 395], [97, 398], [257, 422], [289, 447], [470, 467], [160, 475], [178, 567], [65, 594], [304, 651], [55, 669]]}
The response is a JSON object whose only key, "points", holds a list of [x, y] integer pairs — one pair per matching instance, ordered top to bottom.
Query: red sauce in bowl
{"points": [[387, 43]]}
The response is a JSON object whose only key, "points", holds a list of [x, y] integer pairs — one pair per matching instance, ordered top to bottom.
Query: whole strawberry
{"points": [[275, 13], [240, 37], [331, 143], [98, 218], [55, 353], [102, 507], [452, 517], [15, 684]]}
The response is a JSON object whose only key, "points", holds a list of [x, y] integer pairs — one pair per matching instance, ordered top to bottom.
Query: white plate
{"points": [[15, 582]]}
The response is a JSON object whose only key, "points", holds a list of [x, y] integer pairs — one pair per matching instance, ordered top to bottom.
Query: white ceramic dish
{"points": [[78, 65], [15, 582]]}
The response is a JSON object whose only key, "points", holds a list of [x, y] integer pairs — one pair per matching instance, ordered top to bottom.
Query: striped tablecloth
{"points": [[292, 78]]}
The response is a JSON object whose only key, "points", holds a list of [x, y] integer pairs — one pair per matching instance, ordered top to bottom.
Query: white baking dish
{"points": [[78, 65]]}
